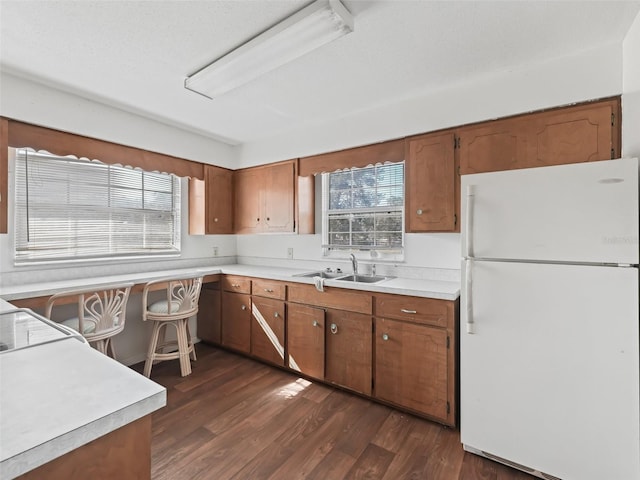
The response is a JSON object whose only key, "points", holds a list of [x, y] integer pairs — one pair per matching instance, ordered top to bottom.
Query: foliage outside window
{"points": [[364, 208], [71, 209]]}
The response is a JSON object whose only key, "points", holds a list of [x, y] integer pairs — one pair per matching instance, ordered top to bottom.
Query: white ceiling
{"points": [[135, 55]]}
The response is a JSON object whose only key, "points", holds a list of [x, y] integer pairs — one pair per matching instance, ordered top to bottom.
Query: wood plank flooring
{"points": [[235, 418]]}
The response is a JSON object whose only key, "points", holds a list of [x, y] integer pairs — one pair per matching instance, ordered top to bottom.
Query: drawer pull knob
{"points": [[235, 285], [268, 290], [243, 307], [404, 310], [315, 323], [334, 328], [385, 337]]}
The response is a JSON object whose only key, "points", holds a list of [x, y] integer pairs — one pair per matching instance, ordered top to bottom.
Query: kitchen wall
{"points": [[631, 91]]}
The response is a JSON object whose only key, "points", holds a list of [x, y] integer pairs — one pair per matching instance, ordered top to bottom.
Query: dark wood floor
{"points": [[234, 418]]}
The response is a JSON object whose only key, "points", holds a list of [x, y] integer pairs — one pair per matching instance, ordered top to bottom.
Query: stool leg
{"points": [[190, 343], [183, 347], [152, 349]]}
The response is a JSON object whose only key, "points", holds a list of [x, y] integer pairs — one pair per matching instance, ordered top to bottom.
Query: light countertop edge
{"points": [[438, 289]]}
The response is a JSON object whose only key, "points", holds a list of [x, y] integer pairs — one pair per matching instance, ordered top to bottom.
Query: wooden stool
{"points": [[180, 304]]}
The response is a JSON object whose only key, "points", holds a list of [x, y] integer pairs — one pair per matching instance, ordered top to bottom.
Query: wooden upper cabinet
{"points": [[581, 133], [430, 179], [279, 198], [265, 199], [219, 200], [248, 201]]}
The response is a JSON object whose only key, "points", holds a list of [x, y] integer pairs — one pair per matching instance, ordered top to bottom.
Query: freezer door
{"points": [[585, 212], [549, 379]]}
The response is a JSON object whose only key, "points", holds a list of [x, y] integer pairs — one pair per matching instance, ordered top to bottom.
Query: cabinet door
{"points": [[578, 134], [492, 146], [430, 184], [279, 198], [219, 200], [248, 200], [236, 321], [209, 324], [267, 329], [305, 340], [348, 350], [411, 368]]}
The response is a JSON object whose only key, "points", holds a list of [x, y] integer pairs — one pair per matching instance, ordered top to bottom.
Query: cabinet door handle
{"points": [[419, 211], [215, 219], [268, 290], [243, 307], [404, 310], [276, 314], [315, 323], [334, 328], [385, 337]]}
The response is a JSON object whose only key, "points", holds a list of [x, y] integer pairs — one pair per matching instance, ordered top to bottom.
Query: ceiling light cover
{"points": [[314, 26]]}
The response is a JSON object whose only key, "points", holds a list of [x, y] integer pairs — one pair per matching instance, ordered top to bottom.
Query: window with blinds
{"points": [[364, 208], [70, 209]]}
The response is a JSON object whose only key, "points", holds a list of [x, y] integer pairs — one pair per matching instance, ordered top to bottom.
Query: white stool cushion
{"points": [[163, 307], [89, 324]]}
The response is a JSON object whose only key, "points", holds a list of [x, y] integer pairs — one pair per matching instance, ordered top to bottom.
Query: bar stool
{"points": [[180, 303], [101, 313]]}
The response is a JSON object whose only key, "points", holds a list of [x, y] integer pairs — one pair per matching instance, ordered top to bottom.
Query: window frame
{"points": [[175, 213], [381, 254]]}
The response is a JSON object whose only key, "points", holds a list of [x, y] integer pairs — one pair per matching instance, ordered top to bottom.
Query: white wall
{"points": [[589, 75], [631, 91], [42, 105]]}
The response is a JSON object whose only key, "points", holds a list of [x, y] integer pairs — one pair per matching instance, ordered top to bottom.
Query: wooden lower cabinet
{"points": [[209, 318], [236, 321], [267, 329], [306, 340], [348, 350], [412, 365]]}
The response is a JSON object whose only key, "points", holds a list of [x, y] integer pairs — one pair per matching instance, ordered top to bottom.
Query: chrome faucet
{"points": [[354, 264]]}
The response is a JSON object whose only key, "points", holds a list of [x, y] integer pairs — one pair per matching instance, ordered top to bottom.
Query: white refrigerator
{"points": [[549, 347]]}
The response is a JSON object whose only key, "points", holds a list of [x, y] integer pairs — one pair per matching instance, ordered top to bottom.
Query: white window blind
{"points": [[364, 208], [70, 209]]}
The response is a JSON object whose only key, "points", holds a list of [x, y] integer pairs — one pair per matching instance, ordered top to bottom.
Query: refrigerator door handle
{"points": [[468, 248], [468, 296]]}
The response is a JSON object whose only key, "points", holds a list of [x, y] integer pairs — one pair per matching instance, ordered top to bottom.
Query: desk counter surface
{"points": [[56, 397]]}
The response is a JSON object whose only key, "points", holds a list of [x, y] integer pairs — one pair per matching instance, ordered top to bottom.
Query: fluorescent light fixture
{"points": [[314, 26]]}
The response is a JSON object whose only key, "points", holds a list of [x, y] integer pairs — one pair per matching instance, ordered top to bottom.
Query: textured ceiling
{"points": [[136, 54]]}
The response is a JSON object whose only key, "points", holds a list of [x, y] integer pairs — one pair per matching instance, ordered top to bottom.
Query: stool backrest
{"points": [[181, 296], [104, 306]]}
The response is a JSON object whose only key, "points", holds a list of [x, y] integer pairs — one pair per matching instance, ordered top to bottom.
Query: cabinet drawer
{"points": [[235, 283], [269, 288], [338, 298], [428, 311]]}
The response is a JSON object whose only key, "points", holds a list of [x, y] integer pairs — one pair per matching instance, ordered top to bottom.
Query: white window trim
{"points": [[176, 252], [366, 253]]}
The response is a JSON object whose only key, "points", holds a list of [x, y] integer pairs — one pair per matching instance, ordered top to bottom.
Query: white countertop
{"points": [[440, 289], [56, 397]]}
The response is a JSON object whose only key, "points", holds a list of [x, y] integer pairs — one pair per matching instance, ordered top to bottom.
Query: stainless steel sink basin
{"points": [[320, 274], [362, 278]]}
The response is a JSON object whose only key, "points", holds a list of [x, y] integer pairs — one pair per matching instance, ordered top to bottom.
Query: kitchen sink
{"points": [[322, 274], [362, 278]]}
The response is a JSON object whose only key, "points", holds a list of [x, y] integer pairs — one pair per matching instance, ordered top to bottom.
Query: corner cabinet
{"points": [[430, 184], [265, 198]]}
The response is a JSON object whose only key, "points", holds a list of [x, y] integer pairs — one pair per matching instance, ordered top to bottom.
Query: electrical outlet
{"points": [[215, 251], [290, 253]]}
